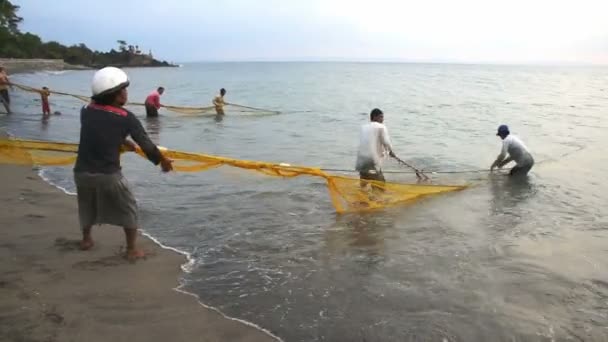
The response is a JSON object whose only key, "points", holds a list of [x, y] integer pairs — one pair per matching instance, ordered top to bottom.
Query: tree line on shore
{"points": [[17, 44]]}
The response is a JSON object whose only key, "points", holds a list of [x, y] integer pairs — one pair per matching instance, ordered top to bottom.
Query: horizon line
{"points": [[396, 61]]}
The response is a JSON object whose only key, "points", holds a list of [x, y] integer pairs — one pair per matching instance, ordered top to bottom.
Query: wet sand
{"points": [[52, 291]]}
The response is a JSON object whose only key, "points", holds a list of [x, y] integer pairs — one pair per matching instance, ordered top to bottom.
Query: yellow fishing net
{"points": [[191, 110], [210, 110], [347, 194]]}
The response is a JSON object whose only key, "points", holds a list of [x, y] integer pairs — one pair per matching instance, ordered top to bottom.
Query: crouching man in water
{"points": [[152, 102], [374, 145], [517, 152], [104, 196]]}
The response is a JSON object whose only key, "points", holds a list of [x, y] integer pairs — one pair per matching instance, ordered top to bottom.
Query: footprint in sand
{"points": [[66, 245], [103, 262], [53, 316]]}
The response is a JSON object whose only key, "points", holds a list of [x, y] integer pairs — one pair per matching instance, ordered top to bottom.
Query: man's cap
{"points": [[503, 129]]}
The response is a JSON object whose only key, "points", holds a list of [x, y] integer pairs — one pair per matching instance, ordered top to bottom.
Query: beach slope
{"points": [[51, 291]]}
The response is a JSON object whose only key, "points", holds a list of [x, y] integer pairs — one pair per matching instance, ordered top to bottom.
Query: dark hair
{"points": [[45, 88], [161, 89], [222, 90], [375, 113]]}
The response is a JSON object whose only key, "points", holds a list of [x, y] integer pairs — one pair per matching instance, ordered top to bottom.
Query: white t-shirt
{"points": [[374, 144], [516, 149]]}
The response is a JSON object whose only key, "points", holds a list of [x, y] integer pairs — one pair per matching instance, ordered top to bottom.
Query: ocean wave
{"points": [[54, 72]]}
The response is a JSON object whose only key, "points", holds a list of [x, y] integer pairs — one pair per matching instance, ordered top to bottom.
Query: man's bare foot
{"points": [[85, 245], [135, 254]]}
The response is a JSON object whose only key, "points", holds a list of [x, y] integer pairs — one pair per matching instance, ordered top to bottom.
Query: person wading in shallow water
{"points": [[5, 83], [44, 99], [153, 102], [219, 103], [374, 145], [517, 152], [104, 196]]}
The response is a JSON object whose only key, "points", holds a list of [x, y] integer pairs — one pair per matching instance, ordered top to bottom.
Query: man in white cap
{"points": [[516, 151], [104, 196]]}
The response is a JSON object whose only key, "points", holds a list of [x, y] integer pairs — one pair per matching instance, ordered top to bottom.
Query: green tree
{"points": [[8, 16], [14, 44], [30, 44], [122, 45], [53, 50]]}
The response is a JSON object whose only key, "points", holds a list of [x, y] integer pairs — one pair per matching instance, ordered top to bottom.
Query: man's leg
{"points": [[46, 110], [151, 111], [519, 171], [379, 178], [363, 182], [87, 208], [123, 209], [87, 239], [132, 251]]}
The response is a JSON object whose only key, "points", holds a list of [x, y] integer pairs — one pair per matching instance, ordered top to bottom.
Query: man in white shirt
{"points": [[374, 145], [517, 152]]}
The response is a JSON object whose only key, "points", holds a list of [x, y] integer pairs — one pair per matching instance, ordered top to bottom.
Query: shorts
{"points": [[5, 97], [46, 108], [219, 110], [151, 111], [522, 169], [368, 171], [375, 175], [105, 199]]}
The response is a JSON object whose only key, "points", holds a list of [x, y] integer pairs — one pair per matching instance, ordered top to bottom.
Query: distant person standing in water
{"points": [[4, 84], [44, 98], [153, 102], [219, 103], [374, 145], [516, 151], [103, 193]]}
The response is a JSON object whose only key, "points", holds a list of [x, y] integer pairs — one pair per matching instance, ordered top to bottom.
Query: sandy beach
{"points": [[20, 65], [52, 291]]}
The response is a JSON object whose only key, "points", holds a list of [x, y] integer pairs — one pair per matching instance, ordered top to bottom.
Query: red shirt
{"points": [[153, 99]]}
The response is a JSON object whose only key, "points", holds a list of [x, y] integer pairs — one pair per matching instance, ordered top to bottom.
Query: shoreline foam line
{"points": [[42, 175], [185, 267]]}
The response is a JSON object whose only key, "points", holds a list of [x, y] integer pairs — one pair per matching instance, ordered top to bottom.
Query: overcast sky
{"points": [[505, 31]]}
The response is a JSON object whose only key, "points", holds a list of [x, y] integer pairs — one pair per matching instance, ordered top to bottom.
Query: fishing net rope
{"points": [[210, 110], [347, 194]]}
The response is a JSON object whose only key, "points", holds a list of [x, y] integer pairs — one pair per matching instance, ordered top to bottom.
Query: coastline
{"points": [[23, 66], [53, 291]]}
